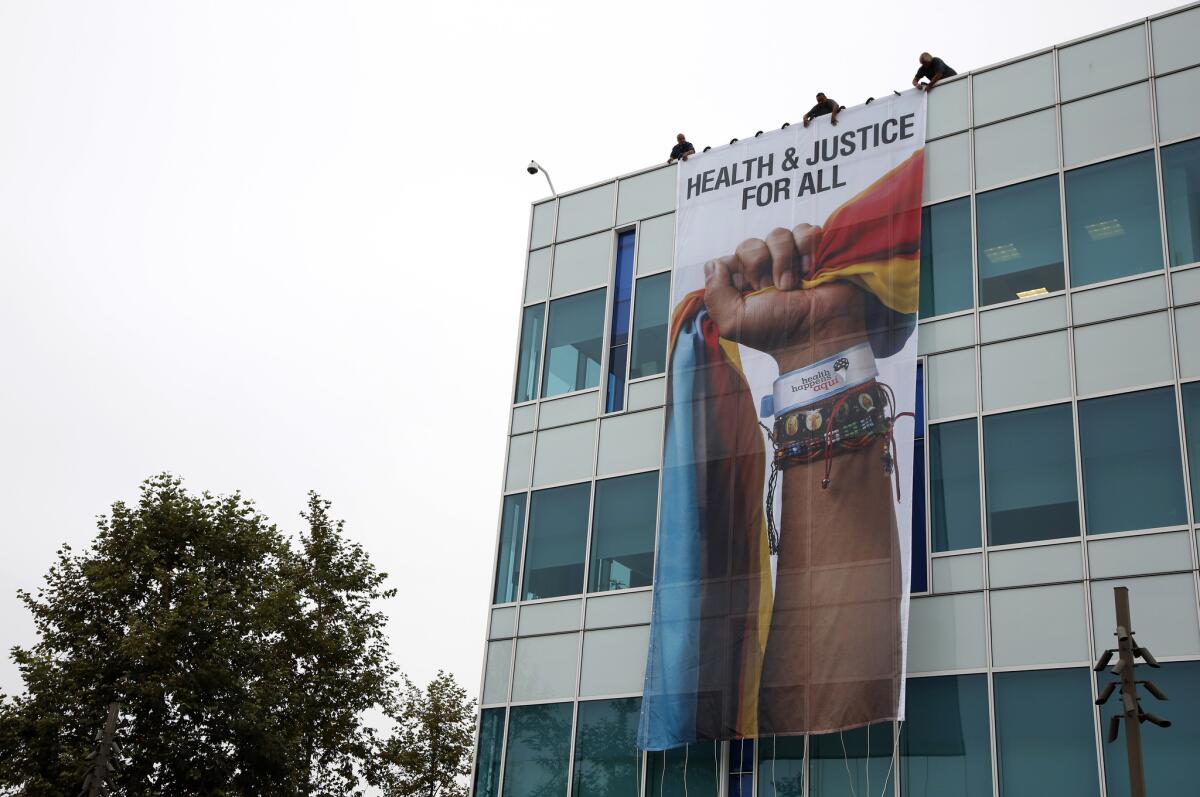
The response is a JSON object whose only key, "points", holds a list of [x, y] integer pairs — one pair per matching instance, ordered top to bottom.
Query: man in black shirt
{"points": [[932, 68], [824, 106], [681, 150]]}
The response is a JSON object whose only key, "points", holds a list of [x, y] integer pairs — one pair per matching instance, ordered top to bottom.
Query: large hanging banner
{"points": [[781, 585]]}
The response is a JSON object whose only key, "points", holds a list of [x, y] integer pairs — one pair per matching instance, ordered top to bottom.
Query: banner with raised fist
{"points": [[781, 582]]}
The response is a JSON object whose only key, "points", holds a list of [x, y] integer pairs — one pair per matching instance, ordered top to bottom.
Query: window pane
{"points": [[1181, 197], [1112, 219], [1020, 241], [946, 258], [650, 309], [618, 337], [574, 343], [527, 354], [1191, 422], [1029, 465], [1132, 474], [954, 485], [623, 532], [557, 537], [508, 559], [919, 570], [1045, 742], [944, 744], [539, 746], [1168, 753], [606, 756], [487, 761], [781, 766], [841, 766], [665, 770]]}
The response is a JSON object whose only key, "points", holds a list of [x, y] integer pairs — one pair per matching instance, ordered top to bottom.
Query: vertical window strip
{"points": [[618, 339]]}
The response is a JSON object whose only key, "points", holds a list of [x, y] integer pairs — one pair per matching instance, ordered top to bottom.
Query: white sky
{"points": [[275, 246]]}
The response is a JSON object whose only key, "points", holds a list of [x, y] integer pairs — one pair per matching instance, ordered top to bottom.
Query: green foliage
{"points": [[244, 663], [429, 754]]}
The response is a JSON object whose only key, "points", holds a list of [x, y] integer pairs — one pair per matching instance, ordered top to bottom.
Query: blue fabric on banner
{"points": [[672, 668]]}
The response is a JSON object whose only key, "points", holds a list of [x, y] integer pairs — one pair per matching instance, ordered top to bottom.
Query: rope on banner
{"points": [[686, 749], [895, 752], [846, 761], [717, 764], [868, 764], [662, 784], [774, 791]]}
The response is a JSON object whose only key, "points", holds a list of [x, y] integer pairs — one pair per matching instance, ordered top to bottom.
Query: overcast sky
{"points": [[278, 246]]}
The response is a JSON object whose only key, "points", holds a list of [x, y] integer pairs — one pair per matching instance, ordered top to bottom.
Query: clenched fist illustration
{"points": [[755, 297]]}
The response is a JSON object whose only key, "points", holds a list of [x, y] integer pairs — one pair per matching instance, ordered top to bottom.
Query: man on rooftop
{"points": [[933, 69], [824, 107], [681, 150]]}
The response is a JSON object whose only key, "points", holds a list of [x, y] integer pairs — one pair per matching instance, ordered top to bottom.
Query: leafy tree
{"points": [[243, 664], [429, 753]]}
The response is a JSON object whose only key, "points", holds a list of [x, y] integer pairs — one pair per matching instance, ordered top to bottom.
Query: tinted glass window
{"points": [[1181, 198], [1112, 219], [1019, 233], [946, 258], [650, 311], [618, 335], [574, 341], [527, 354], [1191, 421], [1029, 465], [1132, 471], [954, 485], [623, 532], [557, 537], [508, 558], [1045, 742], [945, 745], [539, 748], [606, 756], [487, 760], [852, 762], [781, 766], [665, 771]]}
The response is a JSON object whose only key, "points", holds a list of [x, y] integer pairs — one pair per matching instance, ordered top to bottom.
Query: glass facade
{"points": [[1181, 198], [1112, 219], [1020, 241], [946, 258], [1060, 316], [573, 343], [1029, 467], [558, 523], [623, 532]]}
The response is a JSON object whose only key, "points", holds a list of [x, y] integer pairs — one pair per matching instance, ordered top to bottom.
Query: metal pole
{"points": [[1129, 704]]}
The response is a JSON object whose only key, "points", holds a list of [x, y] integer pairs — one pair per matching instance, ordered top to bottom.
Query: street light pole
{"points": [[1129, 704]]}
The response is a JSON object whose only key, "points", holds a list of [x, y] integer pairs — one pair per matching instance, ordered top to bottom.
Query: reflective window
{"points": [[1181, 198], [1112, 219], [1019, 232], [946, 258], [651, 308], [618, 334], [574, 341], [527, 353], [1191, 421], [1029, 468], [1132, 473], [954, 485], [623, 532], [557, 536], [508, 558], [919, 564], [1045, 741], [944, 744], [539, 747], [1168, 753], [487, 759], [852, 762], [607, 763], [781, 766], [741, 768], [665, 771]]}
